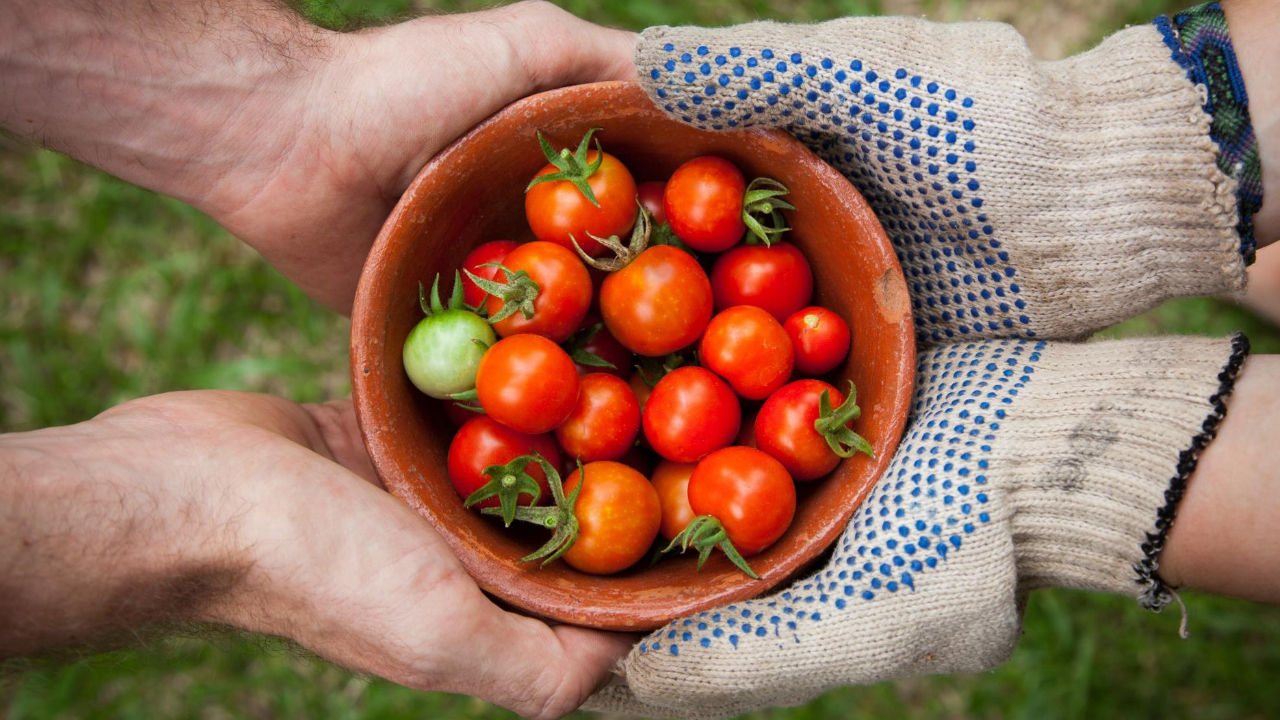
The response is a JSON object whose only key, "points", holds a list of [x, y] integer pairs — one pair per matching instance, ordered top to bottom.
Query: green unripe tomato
{"points": [[443, 350]]}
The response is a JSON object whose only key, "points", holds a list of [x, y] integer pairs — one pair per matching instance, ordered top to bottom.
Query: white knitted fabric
{"points": [[1024, 198], [1026, 464]]}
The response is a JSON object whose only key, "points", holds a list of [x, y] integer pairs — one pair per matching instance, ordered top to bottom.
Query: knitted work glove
{"points": [[1024, 198], [1027, 464]]}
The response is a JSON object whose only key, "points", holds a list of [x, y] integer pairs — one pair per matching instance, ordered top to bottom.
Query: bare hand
{"points": [[317, 184], [278, 503]]}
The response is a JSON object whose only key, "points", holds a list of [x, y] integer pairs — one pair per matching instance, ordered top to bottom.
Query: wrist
{"points": [[1253, 24], [1202, 45], [1101, 466], [101, 535], [1222, 539]]}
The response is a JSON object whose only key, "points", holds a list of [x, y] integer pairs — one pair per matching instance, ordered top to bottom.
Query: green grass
{"points": [[112, 292]]}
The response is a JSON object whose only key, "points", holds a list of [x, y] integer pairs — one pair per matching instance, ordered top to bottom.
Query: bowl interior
{"points": [[473, 192]]}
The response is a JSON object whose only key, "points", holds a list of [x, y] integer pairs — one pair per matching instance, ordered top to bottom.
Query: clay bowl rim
{"points": [[558, 593]]}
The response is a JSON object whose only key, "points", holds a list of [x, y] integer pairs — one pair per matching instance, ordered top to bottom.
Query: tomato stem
{"points": [[572, 167], [762, 207], [622, 254], [517, 293], [833, 425], [508, 482], [559, 517], [705, 533]]}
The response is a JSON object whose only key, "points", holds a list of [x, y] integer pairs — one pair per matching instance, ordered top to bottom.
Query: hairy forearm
{"points": [[165, 95], [92, 543]]}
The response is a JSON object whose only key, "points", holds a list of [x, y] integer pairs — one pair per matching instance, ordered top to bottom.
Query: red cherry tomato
{"points": [[649, 194], [703, 201], [557, 209], [478, 261], [777, 278], [564, 292], [659, 303], [820, 338], [746, 346], [527, 383], [691, 412], [604, 423], [785, 430], [482, 442], [671, 480], [749, 492], [618, 517]]}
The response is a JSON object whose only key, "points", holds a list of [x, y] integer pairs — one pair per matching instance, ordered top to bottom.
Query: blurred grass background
{"points": [[111, 292]]}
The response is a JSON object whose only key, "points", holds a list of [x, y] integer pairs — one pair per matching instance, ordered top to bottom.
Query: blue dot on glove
{"points": [[879, 128], [931, 498]]}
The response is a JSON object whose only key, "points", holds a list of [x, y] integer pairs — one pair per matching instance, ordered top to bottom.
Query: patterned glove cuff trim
{"points": [[1201, 44], [1155, 593]]}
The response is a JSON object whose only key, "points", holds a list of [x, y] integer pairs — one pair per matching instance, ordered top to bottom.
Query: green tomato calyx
{"points": [[571, 167], [762, 207], [662, 234], [622, 254], [517, 293], [433, 306], [833, 425], [508, 482], [558, 517], [705, 533]]}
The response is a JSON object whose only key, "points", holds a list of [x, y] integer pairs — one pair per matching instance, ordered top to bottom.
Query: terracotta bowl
{"points": [[473, 192]]}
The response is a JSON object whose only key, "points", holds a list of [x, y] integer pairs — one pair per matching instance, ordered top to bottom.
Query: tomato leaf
{"points": [[457, 300], [576, 347], [590, 359], [465, 396]]}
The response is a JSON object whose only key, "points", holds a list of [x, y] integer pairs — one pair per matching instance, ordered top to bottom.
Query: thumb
{"points": [[553, 48], [340, 434]]}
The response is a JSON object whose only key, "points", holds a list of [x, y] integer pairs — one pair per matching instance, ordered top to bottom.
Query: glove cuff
{"points": [[1201, 44], [1142, 211], [1101, 453]]}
